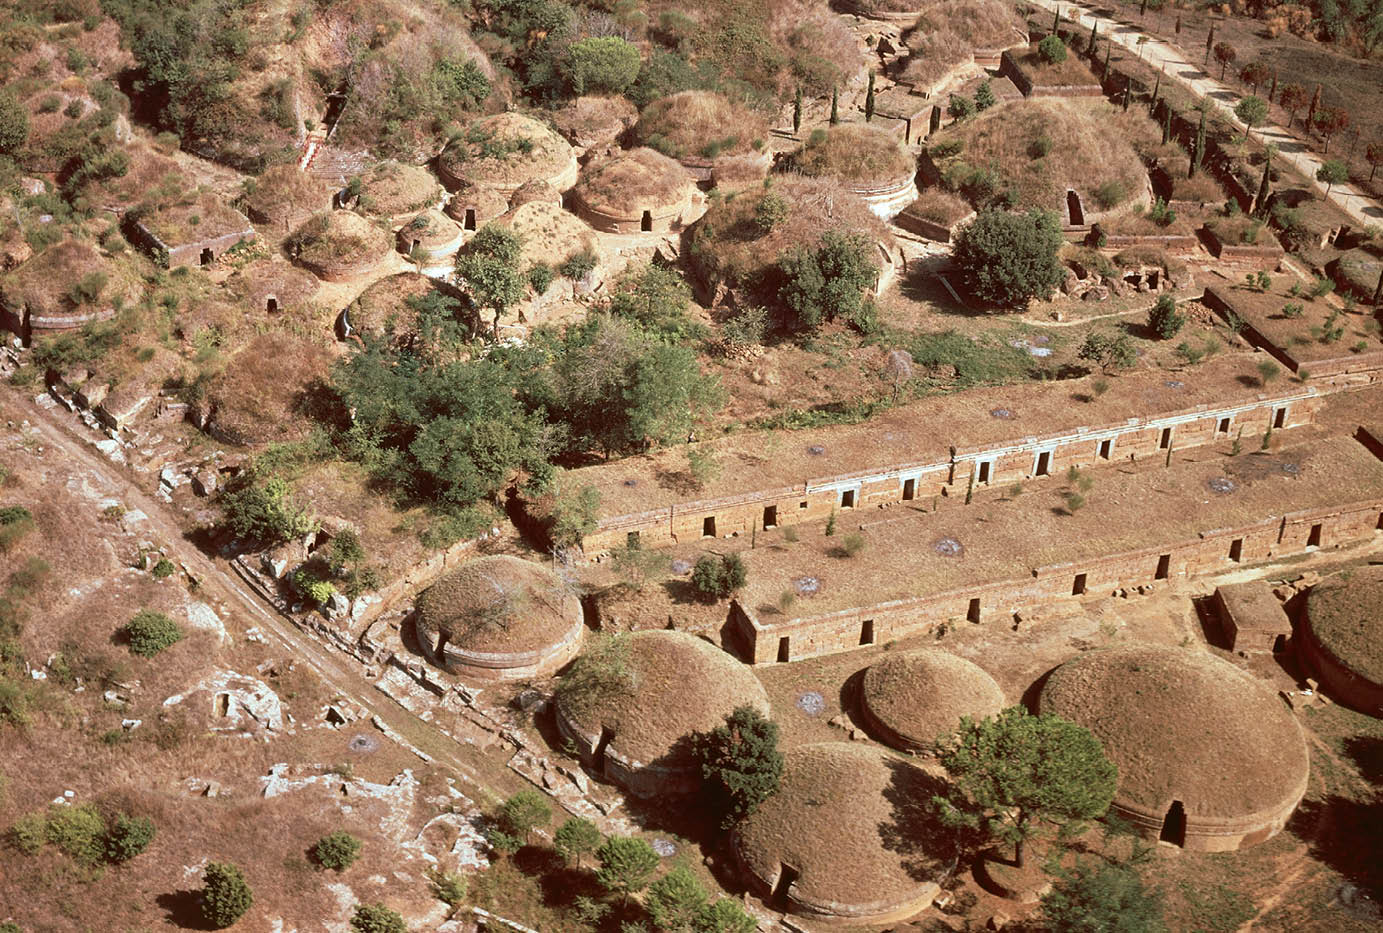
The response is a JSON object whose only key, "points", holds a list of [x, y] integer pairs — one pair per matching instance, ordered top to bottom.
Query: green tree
{"points": [[1051, 50], [1224, 54], [601, 65], [984, 96], [869, 100], [835, 105], [960, 108], [797, 111], [1251, 111], [1329, 121], [14, 124], [1198, 147], [1332, 172], [1260, 200], [770, 212], [1008, 259], [489, 265], [829, 282], [1164, 318], [1108, 351], [261, 510], [574, 516], [718, 577], [150, 632], [740, 764], [1016, 774], [524, 812], [79, 831], [128, 837], [576, 838], [337, 850], [626, 865], [225, 895], [1104, 898], [676, 900], [725, 916], [376, 918]]}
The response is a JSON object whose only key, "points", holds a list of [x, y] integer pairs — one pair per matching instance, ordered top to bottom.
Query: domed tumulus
{"points": [[505, 151], [631, 192], [500, 618], [1342, 638], [910, 700], [632, 703], [1209, 758], [847, 837]]}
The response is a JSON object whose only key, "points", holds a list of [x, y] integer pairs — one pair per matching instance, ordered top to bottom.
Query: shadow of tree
{"points": [[1346, 835], [929, 849], [184, 909]]}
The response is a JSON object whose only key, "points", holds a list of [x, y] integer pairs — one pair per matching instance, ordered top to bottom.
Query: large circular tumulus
{"points": [[697, 128], [505, 151], [867, 160], [632, 192], [337, 245], [67, 286], [500, 618], [1343, 637], [910, 700], [632, 703], [1208, 757], [847, 837]]}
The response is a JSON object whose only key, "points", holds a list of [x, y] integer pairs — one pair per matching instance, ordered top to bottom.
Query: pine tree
{"points": [[869, 100], [835, 106], [797, 111], [1166, 123], [1198, 151], [740, 764], [627, 865]]}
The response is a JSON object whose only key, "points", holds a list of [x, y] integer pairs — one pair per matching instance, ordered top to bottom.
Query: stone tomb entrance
{"points": [[1174, 825]]}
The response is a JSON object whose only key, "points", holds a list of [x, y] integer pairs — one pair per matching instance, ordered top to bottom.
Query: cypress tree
{"points": [[1056, 23], [1178, 28], [1094, 33], [1209, 42], [1109, 47], [1157, 86], [1128, 89], [1272, 91], [869, 100], [835, 106], [797, 111], [1311, 111], [1166, 123], [1198, 151], [1260, 201], [1378, 292]]}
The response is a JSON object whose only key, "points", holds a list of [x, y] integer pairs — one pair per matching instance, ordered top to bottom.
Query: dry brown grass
{"points": [[946, 32], [1072, 70], [592, 119], [700, 124], [1090, 147], [488, 152], [862, 154], [638, 178], [153, 181], [392, 189], [283, 194], [940, 207], [204, 218], [431, 229], [549, 233], [332, 243], [728, 246], [43, 284], [290, 285], [261, 395], [500, 604], [1345, 614], [676, 684], [922, 695], [1183, 724], [851, 819]]}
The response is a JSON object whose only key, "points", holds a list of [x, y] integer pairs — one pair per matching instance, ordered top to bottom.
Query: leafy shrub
{"points": [[1052, 50], [601, 65], [1111, 194], [1161, 214], [1008, 259], [578, 265], [540, 276], [828, 283], [1293, 309], [1165, 319], [15, 522], [853, 545], [164, 568], [716, 578], [150, 632], [79, 832], [28, 833], [128, 837], [336, 850], [448, 887], [225, 895]]}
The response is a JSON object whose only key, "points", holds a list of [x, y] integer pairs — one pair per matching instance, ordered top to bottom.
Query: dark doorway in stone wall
{"points": [[1073, 208], [469, 222], [646, 222], [208, 257], [271, 304], [909, 489], [770, 517], [708, 526], [1314, 538], [1164, 567], [1078, 585], [972, 613], [867, 632], [1279, 644], [784, 650], [607, 735], [1174, 825], [787, 877]]}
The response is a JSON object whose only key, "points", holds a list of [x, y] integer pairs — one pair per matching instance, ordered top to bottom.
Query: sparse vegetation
{"points": [[150, 632], [337, 850]]}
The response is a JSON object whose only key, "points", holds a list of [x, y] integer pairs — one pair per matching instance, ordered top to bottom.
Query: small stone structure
{"points": [[640, 191], [474, 205], [194, 234], [430, 239], [500, 618], [1251, 618], [1341, 639], [911, 700], [634, 729], [1209, 758], [845, 838]]}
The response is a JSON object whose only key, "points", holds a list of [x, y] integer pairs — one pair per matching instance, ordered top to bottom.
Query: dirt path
{"points": [[1190, 74], [219, 582]]}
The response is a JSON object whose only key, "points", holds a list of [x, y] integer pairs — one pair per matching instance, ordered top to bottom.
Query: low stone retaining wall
{"points": [[1352, 689]]}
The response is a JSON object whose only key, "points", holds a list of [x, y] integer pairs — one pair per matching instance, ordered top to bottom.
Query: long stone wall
{"points": [[946, 481], [761, 642]]}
